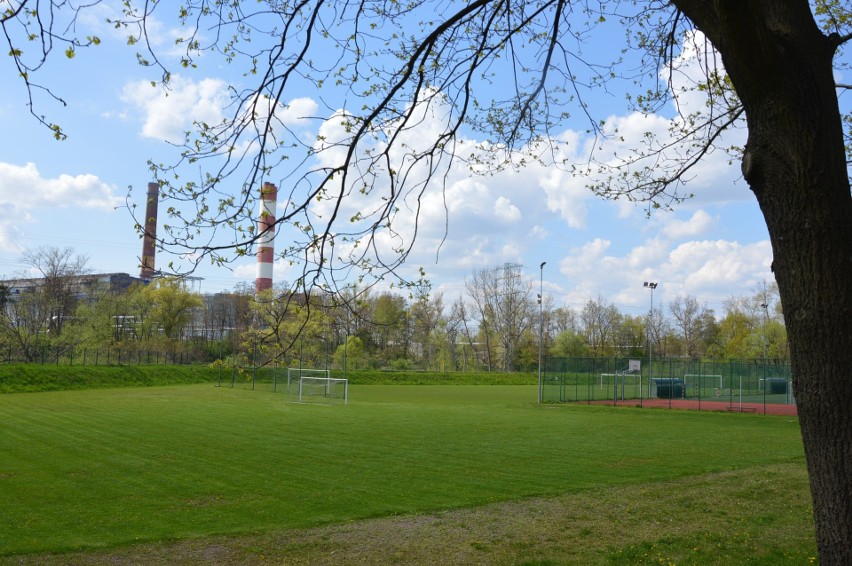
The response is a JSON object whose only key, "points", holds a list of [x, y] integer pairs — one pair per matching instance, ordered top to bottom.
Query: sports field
{"points": [[403, 474]]}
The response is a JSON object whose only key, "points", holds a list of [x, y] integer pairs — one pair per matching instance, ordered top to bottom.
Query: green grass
{"points": [[108, 468]]}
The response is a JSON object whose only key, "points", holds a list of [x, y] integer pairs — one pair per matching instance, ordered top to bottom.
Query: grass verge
{"points": [[30, 378], [765, 520]]}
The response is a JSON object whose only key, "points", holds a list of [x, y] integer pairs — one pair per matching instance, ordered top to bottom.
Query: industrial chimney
{"points": [[266, 237], [149, 239]]}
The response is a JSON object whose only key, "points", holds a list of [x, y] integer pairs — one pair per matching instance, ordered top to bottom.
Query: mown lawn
{"points": [[109, 468]]}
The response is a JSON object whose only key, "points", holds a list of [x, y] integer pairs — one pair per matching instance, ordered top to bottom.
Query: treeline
{"points": [[497, 324]]}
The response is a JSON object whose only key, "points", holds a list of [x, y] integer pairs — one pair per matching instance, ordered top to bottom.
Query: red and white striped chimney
{"points": [[266, 237], [149, 239]]}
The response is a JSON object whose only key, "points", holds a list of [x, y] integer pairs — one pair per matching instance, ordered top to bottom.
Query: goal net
{"points": [[294, 374], [703, 385], [620, 386], [326, 390]]}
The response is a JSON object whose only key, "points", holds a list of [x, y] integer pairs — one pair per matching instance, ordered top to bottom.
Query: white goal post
{"points": [[634, 367], [293, 375], [610, 378], [708, 379], [622, 385], [323, 389]]}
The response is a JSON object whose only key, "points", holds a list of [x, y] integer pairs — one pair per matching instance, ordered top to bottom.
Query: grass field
{"points": [[171, 469]]}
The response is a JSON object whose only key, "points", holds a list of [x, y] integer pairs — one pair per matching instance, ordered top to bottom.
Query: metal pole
{"points": [[650, 285], [765, 314], [540, 326], [650, 338], [765, 383]]}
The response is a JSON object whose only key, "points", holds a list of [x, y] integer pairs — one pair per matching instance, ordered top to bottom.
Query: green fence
{"points": [[270, 378], [735, 382]]}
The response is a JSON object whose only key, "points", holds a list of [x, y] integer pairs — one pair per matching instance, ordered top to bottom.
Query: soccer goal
{"points": [[294, 374], [702, 384], [621, 386], [327, 390]]}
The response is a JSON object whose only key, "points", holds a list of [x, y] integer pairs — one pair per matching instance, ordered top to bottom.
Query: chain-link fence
{"points": [[735, 384]]}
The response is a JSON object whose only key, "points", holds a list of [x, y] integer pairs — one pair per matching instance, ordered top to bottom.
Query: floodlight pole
{"points": [[650, 285], [765, 314], [540, 325], [765, 384]]}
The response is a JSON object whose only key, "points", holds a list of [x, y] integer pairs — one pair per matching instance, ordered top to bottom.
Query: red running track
{"points": [[696, 405]]}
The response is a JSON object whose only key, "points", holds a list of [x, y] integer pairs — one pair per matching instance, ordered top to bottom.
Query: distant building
{"points": [[81, 286]]}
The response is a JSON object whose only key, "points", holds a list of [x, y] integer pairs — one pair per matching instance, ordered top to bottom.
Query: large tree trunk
{"points": [[781, 66]]}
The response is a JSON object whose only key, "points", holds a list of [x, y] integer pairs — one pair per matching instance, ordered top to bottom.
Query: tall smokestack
{"points": [[266, 237], [149, 239]]}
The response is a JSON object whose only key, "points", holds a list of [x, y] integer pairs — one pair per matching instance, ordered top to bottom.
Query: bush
{"points": [[19, 378]]}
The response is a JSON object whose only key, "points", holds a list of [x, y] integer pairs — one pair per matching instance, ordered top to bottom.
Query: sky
{"points": [[74, 193]]}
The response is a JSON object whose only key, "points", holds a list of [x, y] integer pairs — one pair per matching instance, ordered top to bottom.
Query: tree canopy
{"points": [[407, 94]]}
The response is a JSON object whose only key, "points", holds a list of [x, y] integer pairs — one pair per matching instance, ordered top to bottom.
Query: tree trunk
{"points": [[781, 66]]}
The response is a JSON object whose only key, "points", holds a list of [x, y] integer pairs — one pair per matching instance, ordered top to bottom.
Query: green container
{"points": [[776, 386], [669, 387]]}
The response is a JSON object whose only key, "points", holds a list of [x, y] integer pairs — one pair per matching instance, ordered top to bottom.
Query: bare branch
{"points": [[37, 23]]}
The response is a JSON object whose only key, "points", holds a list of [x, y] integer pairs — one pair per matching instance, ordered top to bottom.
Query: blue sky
{"points": [[72, 193]]}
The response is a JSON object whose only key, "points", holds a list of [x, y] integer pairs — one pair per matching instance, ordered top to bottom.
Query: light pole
{"points": [[650, 285], [765, 308], [540, 325], [765, 383]]}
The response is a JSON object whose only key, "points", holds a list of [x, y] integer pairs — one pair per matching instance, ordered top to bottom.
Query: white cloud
{"points": [[93, 19], [297, 110], [167, 114], [649, 141], [713, 180], [26, 188], [24, 192], [566, 195], [467, 196], [505, 210], [531, 213], [486, 214], [11, 218], [699, 224], [540, 232], [649, 253], [719, 264], [712, 270]]}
